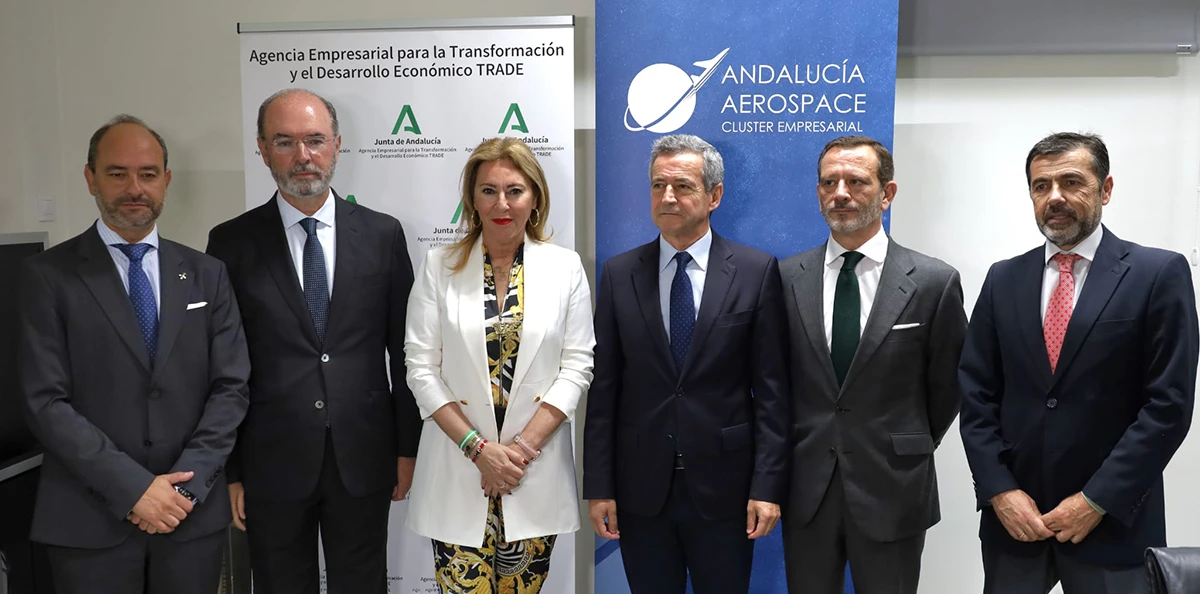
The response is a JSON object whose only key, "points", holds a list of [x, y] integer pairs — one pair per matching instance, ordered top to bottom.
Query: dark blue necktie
{"points": [[316, 283], [141, 294], [683, 310]]}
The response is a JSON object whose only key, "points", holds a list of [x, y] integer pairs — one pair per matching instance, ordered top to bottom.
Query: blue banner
{"points": [[768, 83]]}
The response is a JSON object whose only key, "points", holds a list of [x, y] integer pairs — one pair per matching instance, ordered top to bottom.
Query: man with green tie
{"points": [[876, 331]]}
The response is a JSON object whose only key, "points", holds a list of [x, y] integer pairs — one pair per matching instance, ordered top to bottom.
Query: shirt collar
{"points": [[292, 216], [110, 237], [1086, 248], [875, 249], [698, 251]]}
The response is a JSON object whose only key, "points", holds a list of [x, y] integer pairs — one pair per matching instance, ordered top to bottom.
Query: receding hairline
{"points": [[293, 94], [148, 138], [870, 150]]}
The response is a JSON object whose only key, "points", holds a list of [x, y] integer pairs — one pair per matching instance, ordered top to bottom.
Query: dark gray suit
{"points": [[110, 422], [863, 482]]}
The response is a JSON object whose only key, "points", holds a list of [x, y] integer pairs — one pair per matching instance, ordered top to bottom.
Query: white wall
{"points": [[963, 128]]}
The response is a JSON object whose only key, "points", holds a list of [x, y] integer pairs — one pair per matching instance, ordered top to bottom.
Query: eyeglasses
{"points": [[314, 144]]}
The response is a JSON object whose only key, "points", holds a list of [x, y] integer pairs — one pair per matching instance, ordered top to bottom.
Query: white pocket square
{"points": [[197, 305], [905, 326]]}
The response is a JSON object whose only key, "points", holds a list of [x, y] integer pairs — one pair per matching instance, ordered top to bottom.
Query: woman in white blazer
{"points": [[499, 350]]}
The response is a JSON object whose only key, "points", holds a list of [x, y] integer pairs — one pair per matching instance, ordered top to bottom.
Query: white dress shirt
{"points": [[326, 234], [1087, 250], [149, 261], [696, 271], [868, 271]]}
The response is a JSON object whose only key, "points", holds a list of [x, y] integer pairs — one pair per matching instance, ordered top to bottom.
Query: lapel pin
{"points": [[182, 276]]}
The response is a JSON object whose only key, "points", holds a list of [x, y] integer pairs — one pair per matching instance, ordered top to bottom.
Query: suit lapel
{"points": [[273, 245], [346, 256], [103, 279], [717, 280], [1102, 280], [645, 285], [175, 286], [466, 289], [808, 289], [894, 292], [1028, 292], [538, 294]]}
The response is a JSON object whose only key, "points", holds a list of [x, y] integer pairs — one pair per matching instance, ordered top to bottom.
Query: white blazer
{"points": [[446, 354]]}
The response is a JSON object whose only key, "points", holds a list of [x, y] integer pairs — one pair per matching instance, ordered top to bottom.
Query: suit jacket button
{"points": [[325, 358], [155, 393], [1052, 403], [319, 404], [147, 443]]}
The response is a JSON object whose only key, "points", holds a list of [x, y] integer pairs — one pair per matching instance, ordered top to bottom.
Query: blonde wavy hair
{"points": [[499, 149]]}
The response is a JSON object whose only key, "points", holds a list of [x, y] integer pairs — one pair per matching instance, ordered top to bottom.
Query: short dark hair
{"points": [[262, 109], [124, 118], [1065, 142], [887, 168]]}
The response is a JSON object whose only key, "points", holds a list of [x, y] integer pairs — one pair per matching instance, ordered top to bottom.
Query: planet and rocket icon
{"points": [[662, 96]]}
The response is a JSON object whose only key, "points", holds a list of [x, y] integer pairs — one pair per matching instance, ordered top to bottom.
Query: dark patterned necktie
{"points": [[316, 282], [141, 294], [683, 310], [846, 312]]}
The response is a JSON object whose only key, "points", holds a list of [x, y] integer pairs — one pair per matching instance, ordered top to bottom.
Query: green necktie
{"points": [[846, 311]]}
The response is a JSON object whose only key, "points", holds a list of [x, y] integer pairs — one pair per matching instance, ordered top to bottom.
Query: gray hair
{"points": [[262, 109], [98, 135], [713, 169]]}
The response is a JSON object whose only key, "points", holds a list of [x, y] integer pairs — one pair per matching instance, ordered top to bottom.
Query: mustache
{"points": [[305, 168], [142, 200], [846, 204], [1060, 210]]}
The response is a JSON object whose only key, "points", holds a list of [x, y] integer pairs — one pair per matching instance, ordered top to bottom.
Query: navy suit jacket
{"points": [[726, 410], [1109, 418], [281, 444]]}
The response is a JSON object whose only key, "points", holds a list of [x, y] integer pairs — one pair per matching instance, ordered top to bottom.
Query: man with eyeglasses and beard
{"points": [[876, 331], [1078, 381], [327, 444]]}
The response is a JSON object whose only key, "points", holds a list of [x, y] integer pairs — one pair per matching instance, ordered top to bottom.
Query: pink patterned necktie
{"points": [[1058, 314]]}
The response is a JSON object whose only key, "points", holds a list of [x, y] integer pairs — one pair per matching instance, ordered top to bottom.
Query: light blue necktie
{"points": [[316, 283], [141, 294], [683, 310]]}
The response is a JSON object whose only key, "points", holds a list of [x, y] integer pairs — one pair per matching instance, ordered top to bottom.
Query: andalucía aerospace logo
{"points": [[662, 97]]}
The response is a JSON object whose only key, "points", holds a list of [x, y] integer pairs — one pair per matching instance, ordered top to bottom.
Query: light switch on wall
{"points": [[45, 210]]}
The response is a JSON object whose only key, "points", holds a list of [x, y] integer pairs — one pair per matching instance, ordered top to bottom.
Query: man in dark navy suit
{"points": [[1078, 379], [686, 438], [328, 442]]}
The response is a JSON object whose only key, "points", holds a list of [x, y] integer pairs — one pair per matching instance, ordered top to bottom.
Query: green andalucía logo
{"points": [[514, 110], [414, 127], [350, 198], [457, 213]]}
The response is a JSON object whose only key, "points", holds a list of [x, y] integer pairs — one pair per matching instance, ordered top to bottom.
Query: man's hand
{"points": [[404, 477], [237, 501], [161, 507], [603, 514], [1020, 516], [761, 517], [1073, 519]]}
